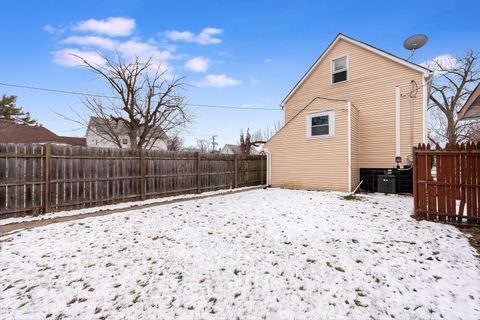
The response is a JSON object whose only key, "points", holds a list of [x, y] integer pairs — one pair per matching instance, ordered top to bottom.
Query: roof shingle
{"points": [[17, 133]]}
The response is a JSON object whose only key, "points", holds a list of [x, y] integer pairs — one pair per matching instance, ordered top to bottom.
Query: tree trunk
{"points": [[452, 130], [133, 140]]}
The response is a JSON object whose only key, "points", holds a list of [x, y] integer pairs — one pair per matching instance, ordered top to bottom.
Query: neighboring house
{"points": [[356, 107], [471, 109], [18, 133], [98, 136], [236, 149]]}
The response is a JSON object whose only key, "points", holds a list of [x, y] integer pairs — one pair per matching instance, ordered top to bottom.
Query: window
{"points": [[339, 69], [320, 124], [124, 141]]}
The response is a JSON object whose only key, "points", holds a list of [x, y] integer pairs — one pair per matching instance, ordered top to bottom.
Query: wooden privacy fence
{"points": [[38, 178], [446, 183]]}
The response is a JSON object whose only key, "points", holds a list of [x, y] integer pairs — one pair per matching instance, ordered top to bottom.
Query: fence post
{"points": [[261, 169], [236, 171], [199, 173], [142, 174], [46, 175], [415, 181]]}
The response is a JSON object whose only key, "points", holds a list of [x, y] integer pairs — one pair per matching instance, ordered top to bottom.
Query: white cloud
{"points": [[112, 26], [52, 30], [180, 35], [206, 36], [99, 37], [94, 41], [144, 50], [67, 57], [268, 60], [446, 61], [197, 64], [219, 81]]}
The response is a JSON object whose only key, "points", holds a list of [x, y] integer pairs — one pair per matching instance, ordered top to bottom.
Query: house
{"points": [[358, 108], [471, 108], [11, 132], [102, 133], [236, 149]]}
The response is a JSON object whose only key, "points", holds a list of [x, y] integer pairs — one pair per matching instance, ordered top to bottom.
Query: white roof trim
{"points": [[387, 55]]}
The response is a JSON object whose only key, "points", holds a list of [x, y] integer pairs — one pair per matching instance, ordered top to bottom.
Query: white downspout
{"points": [[424, 108], [397, 121], [349, 142], [269, 167]]}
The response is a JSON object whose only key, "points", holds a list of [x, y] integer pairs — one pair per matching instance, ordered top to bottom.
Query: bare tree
{"points": [[451, 86], [146, 104], [473, 132], [257, 138], [175, 143], [203, 145]]}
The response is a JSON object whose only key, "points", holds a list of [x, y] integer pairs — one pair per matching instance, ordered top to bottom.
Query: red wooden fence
{"points": [[446, 183]]}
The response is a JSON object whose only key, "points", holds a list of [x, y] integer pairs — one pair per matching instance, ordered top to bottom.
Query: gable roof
{"points": [[364, 45], [471, 108], [18, 133], [237, 149]]}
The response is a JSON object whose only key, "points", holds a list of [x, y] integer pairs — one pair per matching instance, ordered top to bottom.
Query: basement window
{"points": [[339, 69], [320, 124]]}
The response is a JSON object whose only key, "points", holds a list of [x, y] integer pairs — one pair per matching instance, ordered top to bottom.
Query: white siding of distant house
{"points": [[95, 140], [226, 150]]}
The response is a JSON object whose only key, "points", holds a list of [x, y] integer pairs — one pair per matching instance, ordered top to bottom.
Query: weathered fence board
{"points": [[38, 178], [452, 193]]}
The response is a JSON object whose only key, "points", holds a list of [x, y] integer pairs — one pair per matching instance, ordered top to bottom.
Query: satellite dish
{"points": [[415, 42]]}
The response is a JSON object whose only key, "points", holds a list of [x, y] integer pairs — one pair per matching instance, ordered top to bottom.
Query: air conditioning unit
{"points": [[387, 183]]}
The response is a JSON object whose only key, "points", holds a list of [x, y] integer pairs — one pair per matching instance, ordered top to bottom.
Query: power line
{"points": [[112, 97]]}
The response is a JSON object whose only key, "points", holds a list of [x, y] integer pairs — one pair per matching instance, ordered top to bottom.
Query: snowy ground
{"points": [[275, 254]]}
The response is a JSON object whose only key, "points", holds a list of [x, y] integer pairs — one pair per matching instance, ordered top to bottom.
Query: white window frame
{"points": [[346, 69], [331, 124]]}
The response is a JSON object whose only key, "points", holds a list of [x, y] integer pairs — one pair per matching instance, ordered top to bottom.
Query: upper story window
{"points": [[339, 69], [320, 124], [124, 141]]}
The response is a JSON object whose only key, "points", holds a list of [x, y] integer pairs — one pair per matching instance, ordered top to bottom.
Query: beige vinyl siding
{"points": [[371, 84], [318, 163]]}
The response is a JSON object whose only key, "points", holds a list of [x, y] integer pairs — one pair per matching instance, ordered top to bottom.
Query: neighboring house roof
{"points": [[364, 45], [471, 108], [100, 126], [17, 133], [236, 149]]}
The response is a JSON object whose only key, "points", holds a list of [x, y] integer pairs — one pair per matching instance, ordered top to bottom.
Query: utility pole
{"points": [[214, 143]]}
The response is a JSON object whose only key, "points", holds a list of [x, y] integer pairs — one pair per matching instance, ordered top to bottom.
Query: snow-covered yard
{"points": [[275, 254]]}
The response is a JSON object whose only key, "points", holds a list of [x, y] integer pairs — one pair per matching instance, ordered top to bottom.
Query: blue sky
{"points": [[237, 53]]}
